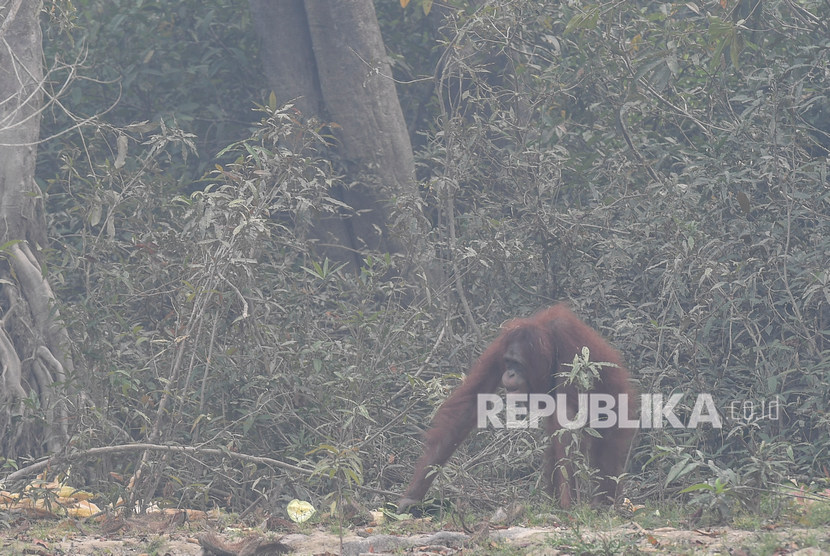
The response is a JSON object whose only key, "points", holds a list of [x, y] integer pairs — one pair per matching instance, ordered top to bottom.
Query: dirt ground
{"points": [[161, 535]]}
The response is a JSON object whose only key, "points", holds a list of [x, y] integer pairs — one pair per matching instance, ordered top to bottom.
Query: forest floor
{"points": [[176, 534]]}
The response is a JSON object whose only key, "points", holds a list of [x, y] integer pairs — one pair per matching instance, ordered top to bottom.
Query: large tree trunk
{"points": [[330, 54], [34, 346]]}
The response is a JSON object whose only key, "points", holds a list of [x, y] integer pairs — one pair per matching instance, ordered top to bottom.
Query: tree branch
{"points": [[122, 448], [76, 455]]}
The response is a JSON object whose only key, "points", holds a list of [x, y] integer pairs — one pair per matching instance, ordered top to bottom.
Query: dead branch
{"points": [[75, 455]]}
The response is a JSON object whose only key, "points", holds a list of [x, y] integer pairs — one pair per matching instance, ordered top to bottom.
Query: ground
{"points": [[176, 534]]}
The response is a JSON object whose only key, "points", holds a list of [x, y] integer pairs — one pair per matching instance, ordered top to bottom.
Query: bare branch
{"points": [[69, 457]]}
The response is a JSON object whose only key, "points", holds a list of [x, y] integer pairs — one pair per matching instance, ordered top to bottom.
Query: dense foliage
{"points": [[661, 166], [664, 166]]}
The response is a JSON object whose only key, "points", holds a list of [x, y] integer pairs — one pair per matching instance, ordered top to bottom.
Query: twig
{"points": [[107, 450], [36, 468]]}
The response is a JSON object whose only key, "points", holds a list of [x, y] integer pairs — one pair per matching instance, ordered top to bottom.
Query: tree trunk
{"points": [[330, 54], [34, 346]]}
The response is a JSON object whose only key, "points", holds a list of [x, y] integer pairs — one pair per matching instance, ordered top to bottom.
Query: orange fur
{"points": [[548, 340]]}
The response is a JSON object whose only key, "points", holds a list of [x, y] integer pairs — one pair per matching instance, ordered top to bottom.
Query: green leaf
{"points": [[583, 21], [724, 33], [735, 48], [95, 214], [679, 469], [699, 486]]}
